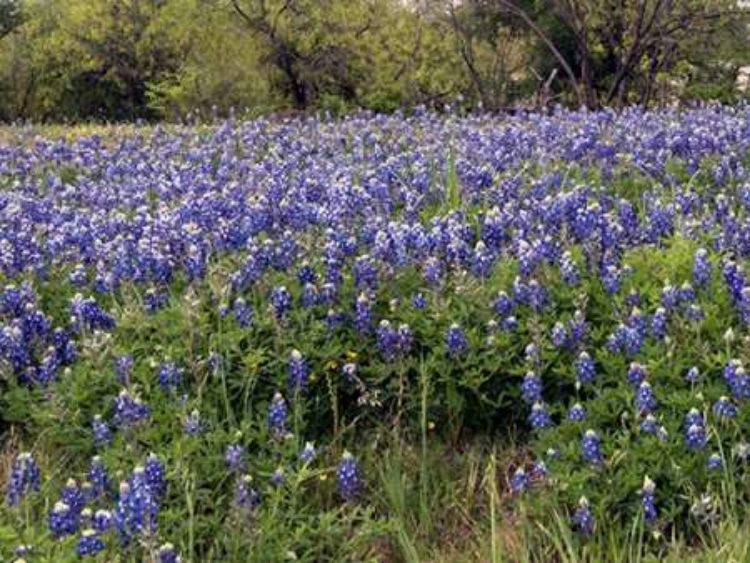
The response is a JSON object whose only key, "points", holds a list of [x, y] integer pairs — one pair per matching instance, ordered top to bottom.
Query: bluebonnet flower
{"points": [[484, 260], [701, 268], [569, 270], [365, 272], [433, 273], [306, 274], [611, 279], [520, 292], [687, 293], [310, 295], [537, 296], [670, 297], [633, 299], [154, 300], [281, 302], [419, 302], [504, 305], [87, 312], [242, 312], [694, 312], [363, 317], [510, 324], [659, 324], [578, 327], [559, 335], [405, 339], [389, 341], [456, 341], [532, 354], [123, 368], [585, 369], [297, 372], [636, 374], [693, 375], [169, 376], [737, 379], [531, 388], [645, 400], [724, 408], [129, 411], [577, 413], [277, 415], [539, 417], [693, 417], [193, 424], [649, 424], [101, 431], [695, 437], [591, 448], [308, 453], [234, 456], [714, 462], [539, 470], [155, 475], [24, 477], [97, 477], [278, 477], [348, 477], [519, 483], [245, 496], [648, 501], [137, 510], [583, 519], [62, 520], [102, 521], [89, 543], [23, 550], [168, 554]]}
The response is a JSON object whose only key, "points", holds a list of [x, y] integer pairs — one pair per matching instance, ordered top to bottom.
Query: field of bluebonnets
{"points": [[410, 337]]}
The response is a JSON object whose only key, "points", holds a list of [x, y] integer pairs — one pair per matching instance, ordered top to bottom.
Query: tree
{"points": [[11, 16], [309, 42], [622, 46], [496, 55]]}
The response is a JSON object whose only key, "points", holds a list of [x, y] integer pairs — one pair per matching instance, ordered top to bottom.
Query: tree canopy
{"points": [[128, 59]]}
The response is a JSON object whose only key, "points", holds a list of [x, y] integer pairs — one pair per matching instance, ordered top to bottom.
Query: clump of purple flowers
{"points": [[456, 341], [585, 369], [297, 372], [531, 388], [129, 410], [277, 415], [591, 448], [24, 477], [348, 477], [648, 502], [583, 518]]}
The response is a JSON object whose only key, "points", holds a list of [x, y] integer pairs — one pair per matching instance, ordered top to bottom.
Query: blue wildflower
{"points": [[456, 341], [585, 369], [531, 388], [577, 413], [591, 448], [24, 477], [348, 477], [519, 483], [583, 519], [89, 543]]}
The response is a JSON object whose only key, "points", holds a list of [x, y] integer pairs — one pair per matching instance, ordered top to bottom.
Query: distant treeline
{"points": [[161, 59]]}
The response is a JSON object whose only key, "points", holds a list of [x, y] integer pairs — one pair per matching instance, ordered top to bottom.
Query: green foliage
{"points": [[163, 59]]}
